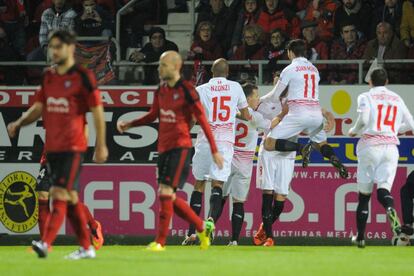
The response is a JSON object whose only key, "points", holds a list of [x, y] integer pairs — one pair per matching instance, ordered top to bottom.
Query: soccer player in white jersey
{"points": [[301, 79], [222, 99], [381, 113], [275, 171], [238, 183]]}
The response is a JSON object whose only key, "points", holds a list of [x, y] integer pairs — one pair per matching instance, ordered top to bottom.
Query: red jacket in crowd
{"points": [[14, 10], [323, 15], [280, 19], [211, 50]]}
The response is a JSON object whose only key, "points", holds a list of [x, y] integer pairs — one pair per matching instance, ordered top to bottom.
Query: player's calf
{"points": [[327, 151], [387, 201], [362, 215], [237, 219]]}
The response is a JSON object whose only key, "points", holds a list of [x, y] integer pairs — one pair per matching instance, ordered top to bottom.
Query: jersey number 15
{"points": [[221, 108]]}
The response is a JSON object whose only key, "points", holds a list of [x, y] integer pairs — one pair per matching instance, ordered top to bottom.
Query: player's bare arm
{"points": [[34, 113], [101, 150]]}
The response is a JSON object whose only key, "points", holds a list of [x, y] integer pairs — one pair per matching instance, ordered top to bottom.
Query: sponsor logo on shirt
{"points": [[57, 105], [167, 116], [18, 202]]}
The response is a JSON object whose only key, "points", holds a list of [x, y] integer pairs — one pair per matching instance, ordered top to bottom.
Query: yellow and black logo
{"points": [[18, 202]]}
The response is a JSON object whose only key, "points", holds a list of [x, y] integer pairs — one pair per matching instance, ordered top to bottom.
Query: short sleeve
{"points": [[40, 93], [93, 94], [363, 104]]}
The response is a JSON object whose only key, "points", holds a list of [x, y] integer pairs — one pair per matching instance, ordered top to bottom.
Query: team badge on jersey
{"points": [[67, 84], [176, 96], [18, 202]]}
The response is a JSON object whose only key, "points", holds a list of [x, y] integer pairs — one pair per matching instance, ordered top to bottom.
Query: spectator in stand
{"points": [[110, 6], [180, 7], [356, 11], [390, 11], [321, 12], [59, 16], [247, 16], [275, 16], [14, 20], [93, 20], [133, 21], [223, 23], [407, 23], [205, 46], [387, 46], [347, 47], [316, 48], [252, 49], [275, 51], [151, 53], [8, 75]]}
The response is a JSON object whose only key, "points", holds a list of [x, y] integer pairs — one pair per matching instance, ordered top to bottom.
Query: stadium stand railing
{"points": [[362, 64]]}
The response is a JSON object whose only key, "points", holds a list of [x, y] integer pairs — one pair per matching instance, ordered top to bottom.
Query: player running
{"points": [[301, 79], [67, 92], [221, 99], [175, 104], [380, 115], [42, 188]]}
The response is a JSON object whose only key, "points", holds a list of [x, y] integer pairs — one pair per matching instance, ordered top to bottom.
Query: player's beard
{"points": [[61, 61]]}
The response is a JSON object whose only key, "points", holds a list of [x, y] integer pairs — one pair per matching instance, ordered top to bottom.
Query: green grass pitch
{"points": [[218, 260]]}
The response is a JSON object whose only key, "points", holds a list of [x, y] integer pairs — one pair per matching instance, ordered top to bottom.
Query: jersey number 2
{"points": [[313, 79], [219, 105], [387, 120], [244, 130]]}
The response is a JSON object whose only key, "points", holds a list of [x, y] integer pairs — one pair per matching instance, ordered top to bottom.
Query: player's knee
{"points": [[269, 144], [217, 184], [199, 186], [165, 190], [267, 192], [60, 194], [43, 195], [73, 197], [280, 197], [235, 200]]}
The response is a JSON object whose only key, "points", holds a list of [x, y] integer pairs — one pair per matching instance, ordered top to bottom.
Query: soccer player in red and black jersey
{"points": [[67, 92], [175, 104], [42, 189]]}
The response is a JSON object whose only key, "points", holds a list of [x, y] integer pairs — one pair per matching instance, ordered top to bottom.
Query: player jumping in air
{"points": [[301, 79], [67, 92], [222, 99], [175, 104], [381, 113], [42, 188]]}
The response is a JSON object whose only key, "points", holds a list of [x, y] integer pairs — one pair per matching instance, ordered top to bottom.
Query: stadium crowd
{"points": [[235, 29]]}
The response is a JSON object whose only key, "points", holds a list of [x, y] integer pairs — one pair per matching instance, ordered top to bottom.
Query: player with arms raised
{"points": [[67, 92], [175, 104], [381, 115]]}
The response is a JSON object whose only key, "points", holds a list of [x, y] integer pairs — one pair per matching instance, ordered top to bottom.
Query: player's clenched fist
{"points": [[122, 126], [12, 128], [218, 159]]}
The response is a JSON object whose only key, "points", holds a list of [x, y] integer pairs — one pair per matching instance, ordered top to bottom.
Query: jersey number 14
{"points": [[387, 120]]}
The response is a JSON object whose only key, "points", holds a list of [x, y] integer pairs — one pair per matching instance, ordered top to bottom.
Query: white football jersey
{"points": [[302, 79], [221, 99], [270, 110], [385, 111], [247, 132]]}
